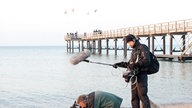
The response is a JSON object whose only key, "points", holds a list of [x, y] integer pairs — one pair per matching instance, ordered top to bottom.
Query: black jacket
{"points": [[144, 56], [143, 60]]}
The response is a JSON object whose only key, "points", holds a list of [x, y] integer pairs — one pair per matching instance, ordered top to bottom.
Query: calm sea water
{"points": [[42, 77]]}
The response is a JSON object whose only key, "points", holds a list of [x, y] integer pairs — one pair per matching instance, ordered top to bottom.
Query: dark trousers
{"points": [[139, 92]]}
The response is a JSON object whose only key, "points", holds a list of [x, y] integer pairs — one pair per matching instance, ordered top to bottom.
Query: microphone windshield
{"points": [[80, 57]]}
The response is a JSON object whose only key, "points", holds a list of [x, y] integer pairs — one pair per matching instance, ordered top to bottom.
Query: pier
{"points": [[167, 47]]}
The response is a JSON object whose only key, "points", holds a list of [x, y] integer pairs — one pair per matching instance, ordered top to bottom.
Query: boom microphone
{"points": [[80, 57], [88, 61]]}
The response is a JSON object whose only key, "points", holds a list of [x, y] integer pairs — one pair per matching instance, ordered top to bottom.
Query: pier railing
{"points": [[172, 27]]}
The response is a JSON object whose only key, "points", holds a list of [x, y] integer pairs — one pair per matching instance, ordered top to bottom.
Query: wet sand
{"points": [[174, 105]]}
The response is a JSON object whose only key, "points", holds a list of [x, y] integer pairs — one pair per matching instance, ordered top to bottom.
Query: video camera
{"points": [[129, 74]]}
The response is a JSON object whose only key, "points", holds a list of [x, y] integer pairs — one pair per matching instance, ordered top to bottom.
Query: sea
{"points": [[43, 77]]}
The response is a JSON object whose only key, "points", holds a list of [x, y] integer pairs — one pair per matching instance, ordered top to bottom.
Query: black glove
{"points": [[120, 64], [115, 66]]}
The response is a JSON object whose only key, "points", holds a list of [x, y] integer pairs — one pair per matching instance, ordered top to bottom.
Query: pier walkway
{"points": [[167, 31]]}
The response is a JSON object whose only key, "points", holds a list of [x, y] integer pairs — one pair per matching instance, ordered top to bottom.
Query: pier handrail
{"points": [[152, 29]]}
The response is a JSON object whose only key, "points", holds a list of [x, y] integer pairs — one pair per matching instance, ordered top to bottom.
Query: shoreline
{"points": [[171, 105]]}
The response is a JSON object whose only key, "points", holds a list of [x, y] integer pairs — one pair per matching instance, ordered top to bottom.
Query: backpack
{"points": [[154, 65]]}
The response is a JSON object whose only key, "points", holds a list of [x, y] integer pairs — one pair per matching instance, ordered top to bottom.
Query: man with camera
{"points": [[137, 68]]}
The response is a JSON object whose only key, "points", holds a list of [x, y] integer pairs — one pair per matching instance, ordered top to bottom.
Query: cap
{"points": [[130, 37]]}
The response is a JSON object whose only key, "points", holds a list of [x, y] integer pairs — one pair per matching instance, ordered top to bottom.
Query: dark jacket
{"points": [[144, 56], [143, 60], [100, 99]]}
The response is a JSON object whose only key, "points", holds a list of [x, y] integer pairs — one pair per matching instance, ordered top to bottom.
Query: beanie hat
{"points": [[130, 37]]}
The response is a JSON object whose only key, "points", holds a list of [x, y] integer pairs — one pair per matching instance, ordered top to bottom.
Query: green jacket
{"points": [[104, 100]]}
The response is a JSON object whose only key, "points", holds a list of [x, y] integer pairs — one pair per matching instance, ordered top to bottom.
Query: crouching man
{"points": [[99, 99]]}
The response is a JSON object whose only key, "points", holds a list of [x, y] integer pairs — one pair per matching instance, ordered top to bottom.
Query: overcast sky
{"points": [[45, 22]]}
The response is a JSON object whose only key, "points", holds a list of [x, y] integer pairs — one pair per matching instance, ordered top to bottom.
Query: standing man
{"points": [[138, 66], [99, 99]]}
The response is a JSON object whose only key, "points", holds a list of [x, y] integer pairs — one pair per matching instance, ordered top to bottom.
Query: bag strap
{"points": [[138, 53]]}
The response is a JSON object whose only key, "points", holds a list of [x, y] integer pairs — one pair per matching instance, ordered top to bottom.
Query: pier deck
{"points": [[167, 30], [177, 57]]}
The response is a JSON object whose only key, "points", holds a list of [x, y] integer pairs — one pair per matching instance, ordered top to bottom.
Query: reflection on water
{"points": [[42, 77], [172, 84]]}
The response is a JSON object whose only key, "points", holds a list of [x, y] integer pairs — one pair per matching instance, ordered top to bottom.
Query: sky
{"points": [[45, 22]]}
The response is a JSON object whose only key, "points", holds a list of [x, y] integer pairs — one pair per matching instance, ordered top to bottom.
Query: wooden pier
{"points": [[167, 31]]}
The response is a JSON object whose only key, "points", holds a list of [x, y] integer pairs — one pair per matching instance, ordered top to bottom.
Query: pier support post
{"points": [[153, 38], [183, 43], [171, 44], [82, 45], [88, 45], [149, 45], [67, 46], [72, 46], [79, 46], [99, 46], [107, 46], [115, 46], [94, 47], [125, 47], [164, 48]]}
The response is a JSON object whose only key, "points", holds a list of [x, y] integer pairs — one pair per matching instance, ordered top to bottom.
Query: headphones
{"points": [[134, 40]]}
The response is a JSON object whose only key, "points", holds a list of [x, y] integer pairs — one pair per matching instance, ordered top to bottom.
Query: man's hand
{"points": [[115, 66]]}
